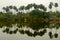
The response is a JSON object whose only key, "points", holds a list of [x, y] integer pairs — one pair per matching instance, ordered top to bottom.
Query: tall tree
{"points": [[56, 5], [35, 6], [50, 6], [10, 7], [28, 7], [42, 7], [15, 8], [22, 8], [6, 9]]}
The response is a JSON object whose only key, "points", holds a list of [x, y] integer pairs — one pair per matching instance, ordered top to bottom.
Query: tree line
{"points": [[26, 13]]}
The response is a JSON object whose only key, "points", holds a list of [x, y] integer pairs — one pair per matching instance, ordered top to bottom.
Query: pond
{"points": [[30, 31]]}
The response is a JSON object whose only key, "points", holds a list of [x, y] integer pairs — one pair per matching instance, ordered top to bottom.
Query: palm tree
{"points": [[56, 5], [35, 6], [50, 6], [10, 7], [28, 7], [42, 7], [15, 8], [22, 8], [6, 9], [45, 9]]}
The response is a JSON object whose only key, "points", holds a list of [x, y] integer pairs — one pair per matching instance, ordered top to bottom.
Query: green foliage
{"points": [[56, 4], [50, 5], [42, 7], [22, 8], [36, 14], [39, 14]]}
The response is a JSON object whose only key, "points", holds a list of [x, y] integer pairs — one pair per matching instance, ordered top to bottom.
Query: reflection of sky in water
{"points": [[25, 2], [18, 36]]}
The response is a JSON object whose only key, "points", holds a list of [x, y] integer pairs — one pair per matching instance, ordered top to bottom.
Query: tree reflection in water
{"points": [[39, 28]]}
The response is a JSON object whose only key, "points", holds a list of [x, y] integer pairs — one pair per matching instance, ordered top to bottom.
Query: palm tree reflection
{"points": [[35, 26], [50, 35]]}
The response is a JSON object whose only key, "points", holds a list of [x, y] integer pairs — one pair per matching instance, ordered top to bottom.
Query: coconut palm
{"points": [[56, 5], [35, 6], [50, 6], [10, 7], [28, 7], [42, 7], [15, 8], [22, 8], [6, 9], [45, 9]]}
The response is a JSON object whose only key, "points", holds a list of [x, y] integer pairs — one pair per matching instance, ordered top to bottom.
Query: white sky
{"points": [[25, 2]]}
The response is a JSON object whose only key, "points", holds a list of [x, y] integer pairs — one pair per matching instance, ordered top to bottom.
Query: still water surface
{"points": [[29, 33]]}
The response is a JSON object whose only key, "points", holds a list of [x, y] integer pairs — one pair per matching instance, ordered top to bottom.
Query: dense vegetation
{"points": [[26, 13]]}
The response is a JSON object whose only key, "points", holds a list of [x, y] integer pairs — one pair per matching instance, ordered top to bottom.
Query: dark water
{"points": [[30, 31]]}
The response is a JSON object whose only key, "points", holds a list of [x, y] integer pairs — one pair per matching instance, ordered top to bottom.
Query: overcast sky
{"points": [[25, 2]]}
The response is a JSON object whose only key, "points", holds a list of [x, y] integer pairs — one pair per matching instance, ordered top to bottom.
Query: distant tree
{"points": [[56, 5], [35, 6], [41, 6], [50, 6], [10, 7], [28, 7], [15, 8], [22, 8], [6, 9], [36, 14]]}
